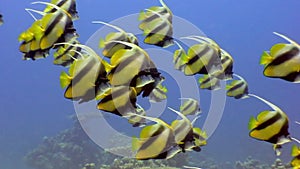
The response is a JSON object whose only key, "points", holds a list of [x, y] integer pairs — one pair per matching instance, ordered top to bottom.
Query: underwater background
{"points": [[32, 104]]}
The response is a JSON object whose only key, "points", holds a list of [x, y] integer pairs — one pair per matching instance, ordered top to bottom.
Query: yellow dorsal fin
{"points": [[275, 50], [295, 151]]}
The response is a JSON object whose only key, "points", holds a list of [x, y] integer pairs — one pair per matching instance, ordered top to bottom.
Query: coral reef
{"points": [[71, 148]]}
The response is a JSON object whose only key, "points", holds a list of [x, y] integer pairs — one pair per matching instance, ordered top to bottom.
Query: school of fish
{"points": [[127, 71]]}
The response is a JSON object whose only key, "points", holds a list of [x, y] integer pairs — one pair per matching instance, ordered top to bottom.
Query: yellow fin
{"points": [[101, 43], [276, 48], [266, 58], [65, 79], [252, 123], [135, 143], [295, 151]]}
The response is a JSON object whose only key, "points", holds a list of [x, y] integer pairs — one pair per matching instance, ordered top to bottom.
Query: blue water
{"points": [[32, 104]]}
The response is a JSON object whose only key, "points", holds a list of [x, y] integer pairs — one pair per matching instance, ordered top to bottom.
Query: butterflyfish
{"points": [[67, 5], [156, 22], [52, 28], [109, 44], [66, 54], [179, 57], [203, 57], [283, 61], [127, 64], [226, 73], [86, 78], [209, 82], [237, 88], [158, 94], [119, 100], [190, 107], [270, 126], [187, 137], [156, 141]]}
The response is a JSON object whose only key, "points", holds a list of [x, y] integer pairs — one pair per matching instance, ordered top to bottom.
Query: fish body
{"points": [[156, 22], [66, 54], [202, 59], [283, 61], [127, 64], [226, 73], [86, 77], [209, 82], [237, 89], [119, 100], [190, 107], [270, 126], [156, 141]]}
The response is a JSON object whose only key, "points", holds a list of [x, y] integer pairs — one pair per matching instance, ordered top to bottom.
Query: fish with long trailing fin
{"points": [[67, 5], [156, 22], [52, 28], [109, 44], [66, 54], [179, 57], [203, 57], [283, 61], [127, 64], [87, 76], [209, 82], [237, 88], [118, 100], [190, 107], [270, 126], [187, 137], [156, 141]]}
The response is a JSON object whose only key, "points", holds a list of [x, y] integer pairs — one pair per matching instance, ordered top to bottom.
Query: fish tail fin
{"points": [[266, 58], [65, 79]]}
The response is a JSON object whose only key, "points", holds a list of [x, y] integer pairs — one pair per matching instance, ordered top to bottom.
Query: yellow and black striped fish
{"points": [[67, 5], [156, 22], [52, 28], [109, 44], [66, 54], [203, 57], [179, 58], [283, 61], [127, 64], [227, 67], [87, 77], [209, 82], [237, 89], [158, 94], [119, 100], [190, 107], [135, 120], [270, 126], [186, 136], [156, 141], [295, 163]]}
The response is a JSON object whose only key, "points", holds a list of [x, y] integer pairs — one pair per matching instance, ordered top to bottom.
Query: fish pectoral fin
{"points": [[266, 58], [65, 79]]}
